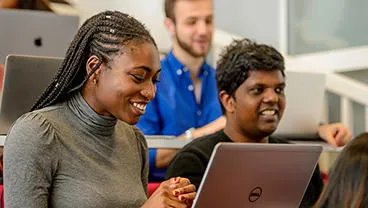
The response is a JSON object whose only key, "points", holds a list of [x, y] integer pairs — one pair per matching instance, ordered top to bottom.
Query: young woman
{"points": [[78, 147]]}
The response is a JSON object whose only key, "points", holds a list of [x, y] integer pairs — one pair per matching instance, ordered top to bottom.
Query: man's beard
{"points": [[189, 49]]}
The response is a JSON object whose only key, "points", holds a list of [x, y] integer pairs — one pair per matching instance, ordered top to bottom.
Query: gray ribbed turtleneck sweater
{"points": [[69, 156]]}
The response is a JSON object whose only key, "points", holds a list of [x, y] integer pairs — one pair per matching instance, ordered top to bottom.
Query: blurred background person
{"points": [[43, 5], [347, 182]]}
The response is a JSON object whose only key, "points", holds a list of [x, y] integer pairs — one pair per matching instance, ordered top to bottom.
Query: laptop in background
{"points": [[35, 33], [25, 79], [304, 104], [257, 175]]}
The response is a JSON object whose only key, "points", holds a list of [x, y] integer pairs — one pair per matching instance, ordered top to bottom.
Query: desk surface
{"points": [[2, 140], [152, 141], [163, 141], [171, 142], [167, 143], [178, 143], [326, 146]]}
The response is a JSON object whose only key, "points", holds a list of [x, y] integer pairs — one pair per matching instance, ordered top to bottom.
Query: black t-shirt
{"points": [[192, 160]]}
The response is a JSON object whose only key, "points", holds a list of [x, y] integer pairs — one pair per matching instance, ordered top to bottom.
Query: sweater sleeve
{"points": [[142, 144], [30, 160]]}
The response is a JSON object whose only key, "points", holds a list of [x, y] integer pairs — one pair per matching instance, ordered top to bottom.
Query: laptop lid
{"points": [[35, 33], [25, 79], [304, 103], [257, 175]]}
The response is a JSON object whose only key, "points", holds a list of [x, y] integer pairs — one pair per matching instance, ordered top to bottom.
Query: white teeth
{"points": [[141, 107], [268, 112]]}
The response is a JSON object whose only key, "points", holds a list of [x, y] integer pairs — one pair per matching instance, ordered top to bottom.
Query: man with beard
{"points": [[251, 82], [186, 95], [186, 102]]}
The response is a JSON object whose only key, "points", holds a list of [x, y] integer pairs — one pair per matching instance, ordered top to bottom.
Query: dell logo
{"points": [[38, 41], [255, 194]]}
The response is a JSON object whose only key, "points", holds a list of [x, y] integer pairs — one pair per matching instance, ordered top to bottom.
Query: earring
{"points": [[94, 81]]}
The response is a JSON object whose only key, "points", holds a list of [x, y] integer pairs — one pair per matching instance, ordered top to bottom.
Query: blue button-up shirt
{"points": [[175, 109]]}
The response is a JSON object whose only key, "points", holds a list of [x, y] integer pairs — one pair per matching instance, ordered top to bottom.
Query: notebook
{"points": [[35, 33], [25, 78], [304, 104], [257, 175]]}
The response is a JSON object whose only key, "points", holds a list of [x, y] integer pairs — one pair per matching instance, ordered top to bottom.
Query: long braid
{"points": [[102, 35]]}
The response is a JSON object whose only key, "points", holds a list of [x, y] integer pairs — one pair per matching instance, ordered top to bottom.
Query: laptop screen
{"points": [[36, 33], [25, 78], [304, 103], [257, 175]]}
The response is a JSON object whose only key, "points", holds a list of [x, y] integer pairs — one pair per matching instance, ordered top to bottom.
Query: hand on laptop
{"points": [[335, 134], [176, 192]]}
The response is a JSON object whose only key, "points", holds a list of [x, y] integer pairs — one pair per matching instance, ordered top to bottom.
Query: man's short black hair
{"points": [[242, 56]]}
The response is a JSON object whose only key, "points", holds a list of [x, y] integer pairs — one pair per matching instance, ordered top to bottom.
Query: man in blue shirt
{"points": [[186, 97], [186, 102], [175, 108]]}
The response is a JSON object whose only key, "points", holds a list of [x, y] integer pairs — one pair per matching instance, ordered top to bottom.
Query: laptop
{"points": [[37, 33], [25, 79], [304, 104], [257, 175]]}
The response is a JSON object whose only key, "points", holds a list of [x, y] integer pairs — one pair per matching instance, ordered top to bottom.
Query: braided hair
{"points": [[102, 35]]}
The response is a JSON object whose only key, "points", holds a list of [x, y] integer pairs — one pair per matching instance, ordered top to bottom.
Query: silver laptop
{"points": [[35, 33], [25, 78], [304, 103], [257, 175]]}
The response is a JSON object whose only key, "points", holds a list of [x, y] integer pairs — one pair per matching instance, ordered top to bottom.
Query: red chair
{"points": [[1, 169], [324, 177], [152, 186], [2, 195]]}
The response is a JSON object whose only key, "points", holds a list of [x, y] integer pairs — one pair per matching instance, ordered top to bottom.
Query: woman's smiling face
{"points": [[125, 85]]}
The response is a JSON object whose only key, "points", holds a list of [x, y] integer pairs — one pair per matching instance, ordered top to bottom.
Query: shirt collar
{"points": [[179, 69], [91, 120]]}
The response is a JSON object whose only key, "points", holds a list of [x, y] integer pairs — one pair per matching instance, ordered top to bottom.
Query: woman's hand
{"points": [[176, 192]]}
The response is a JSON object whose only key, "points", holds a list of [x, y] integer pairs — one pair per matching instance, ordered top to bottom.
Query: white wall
{"points": [[149, 12], [255, 19]]}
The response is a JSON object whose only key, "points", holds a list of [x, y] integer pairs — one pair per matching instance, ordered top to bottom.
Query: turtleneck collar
{"points": [[93, 122]]}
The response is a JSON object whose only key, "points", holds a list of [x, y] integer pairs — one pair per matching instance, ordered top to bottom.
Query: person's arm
{"points": [[210, 128], [336, 134], [164, 156], [30, 161]]}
